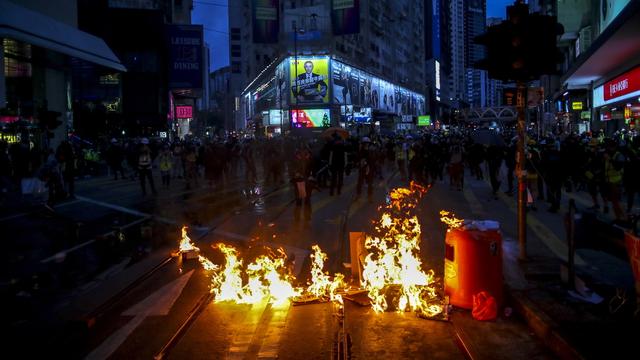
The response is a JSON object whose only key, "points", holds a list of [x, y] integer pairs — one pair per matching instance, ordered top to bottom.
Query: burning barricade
{"points": [[392, 275]]}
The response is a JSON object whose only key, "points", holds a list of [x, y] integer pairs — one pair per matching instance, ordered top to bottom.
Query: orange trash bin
{"points": [[473, 262]]}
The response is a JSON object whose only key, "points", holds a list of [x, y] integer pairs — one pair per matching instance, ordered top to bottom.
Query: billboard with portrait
{"points": [[342, 78], [309, 80], [310, 118]]}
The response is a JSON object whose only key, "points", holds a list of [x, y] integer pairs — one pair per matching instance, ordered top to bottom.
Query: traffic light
{"points": [[521, 48]]}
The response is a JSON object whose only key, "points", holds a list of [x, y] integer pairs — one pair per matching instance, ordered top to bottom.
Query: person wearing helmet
{"points": [[144, 167]]}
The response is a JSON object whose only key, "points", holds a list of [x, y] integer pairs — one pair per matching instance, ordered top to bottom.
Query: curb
{"points": [[543, 326]]}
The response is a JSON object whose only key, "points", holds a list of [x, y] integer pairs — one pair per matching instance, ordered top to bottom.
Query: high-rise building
{"points": [[475, 13], [389, 41], [437, 57], [457, 78]]}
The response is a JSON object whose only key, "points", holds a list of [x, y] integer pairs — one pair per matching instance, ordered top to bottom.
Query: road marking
{"points": [[472, 199], [15, 216], [553, 242], [61, 255], [157, 304], [242, 338], [271, 340]]}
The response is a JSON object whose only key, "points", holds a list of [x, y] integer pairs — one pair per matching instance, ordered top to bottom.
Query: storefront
{"points": [[47, 67], [320, 91], [617, 102]]}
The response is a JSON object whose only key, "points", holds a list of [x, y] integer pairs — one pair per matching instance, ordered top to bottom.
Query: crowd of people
{"points": [[605, 167]]}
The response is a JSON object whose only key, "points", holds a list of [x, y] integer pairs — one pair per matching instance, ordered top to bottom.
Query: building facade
{"points": [[382, 37], [166, 60], [46, 62], [476, 82]]}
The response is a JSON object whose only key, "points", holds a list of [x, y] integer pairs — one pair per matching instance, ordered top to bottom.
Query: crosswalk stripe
{"points": [[242, 338], [271, 340]]}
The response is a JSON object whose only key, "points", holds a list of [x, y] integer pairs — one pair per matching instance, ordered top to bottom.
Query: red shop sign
{"points": [[622, 85], [184, 112]]}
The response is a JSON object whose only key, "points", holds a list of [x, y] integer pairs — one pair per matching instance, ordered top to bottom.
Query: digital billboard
{"points": [[309, 80], [184, 112], [363, 115], [275, 117], [310, 118], [424, 120]]}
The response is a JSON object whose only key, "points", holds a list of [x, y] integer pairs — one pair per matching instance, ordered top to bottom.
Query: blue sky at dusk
{"points": [[213, 15]]}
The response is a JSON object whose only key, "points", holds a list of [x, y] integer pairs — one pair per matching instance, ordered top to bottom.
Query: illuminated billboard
{"points": [[309, 80], [184, 112], [363, 115], [310, 118], [424, 120]]}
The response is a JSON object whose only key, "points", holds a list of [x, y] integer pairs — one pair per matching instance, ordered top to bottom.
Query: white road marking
{"points": [[157, 304], [242, 338], [271, 341]]}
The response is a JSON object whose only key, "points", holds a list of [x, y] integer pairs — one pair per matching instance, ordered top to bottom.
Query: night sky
{"points": [[213, 15]]}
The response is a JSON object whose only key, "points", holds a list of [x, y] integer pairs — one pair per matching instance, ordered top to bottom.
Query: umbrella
{"points": [[335, 130], [487, 137]]}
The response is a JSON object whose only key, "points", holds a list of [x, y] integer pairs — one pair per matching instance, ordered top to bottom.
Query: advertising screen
{"points": [[309, 86], [184, 112], [363, 115], [275, 117], [310, 118], [424, 120]]}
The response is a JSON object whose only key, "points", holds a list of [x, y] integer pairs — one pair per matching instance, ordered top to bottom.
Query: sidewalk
{"points": [[575, 324]]}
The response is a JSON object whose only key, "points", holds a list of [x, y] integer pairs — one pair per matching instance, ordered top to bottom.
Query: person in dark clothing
{"points": [[115, 156], [494, 156], [67, 160], [337, 163], [510, 163], [366, 164], [144, 167], [553, 174], [631, 174], [303, 188]]}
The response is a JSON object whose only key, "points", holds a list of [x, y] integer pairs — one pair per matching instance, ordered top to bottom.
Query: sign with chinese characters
{"points": [[624, 84], [576, 105], [184, 112]]}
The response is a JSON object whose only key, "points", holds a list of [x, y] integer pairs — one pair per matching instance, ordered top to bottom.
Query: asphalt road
{"points": [[141, 323]]}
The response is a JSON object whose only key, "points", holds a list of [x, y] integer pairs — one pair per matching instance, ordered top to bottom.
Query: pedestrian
{"points": [[494, 156], [114, 158], [165, 161], [67, 162], [337, 163], [366, 164], [144, 167], [456, 167], [613, 174], [303, 188]]}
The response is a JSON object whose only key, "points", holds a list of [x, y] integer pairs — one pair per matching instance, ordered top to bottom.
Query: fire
{"points": [[450, 219], [185, 243], [393, 274], [266, 278], [321, 284]]}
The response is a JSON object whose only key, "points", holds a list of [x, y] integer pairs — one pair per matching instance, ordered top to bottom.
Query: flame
{"points": [[450, 219], [185, 243], [393, 262], [207, 264], [267, 278], [321, 284]]}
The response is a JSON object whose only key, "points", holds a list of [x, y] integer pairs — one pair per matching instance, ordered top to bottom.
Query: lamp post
{"points": [[295, 62]]}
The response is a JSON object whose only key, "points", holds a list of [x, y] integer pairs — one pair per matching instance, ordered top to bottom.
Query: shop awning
{"points": [[34, 28], [613, 49]]}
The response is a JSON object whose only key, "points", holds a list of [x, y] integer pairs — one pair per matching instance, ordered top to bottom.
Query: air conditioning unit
{"points": [[585, 38]]}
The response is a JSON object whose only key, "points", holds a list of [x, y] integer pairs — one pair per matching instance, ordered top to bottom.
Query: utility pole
{"points": [[520, 49], [520, 169]]}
